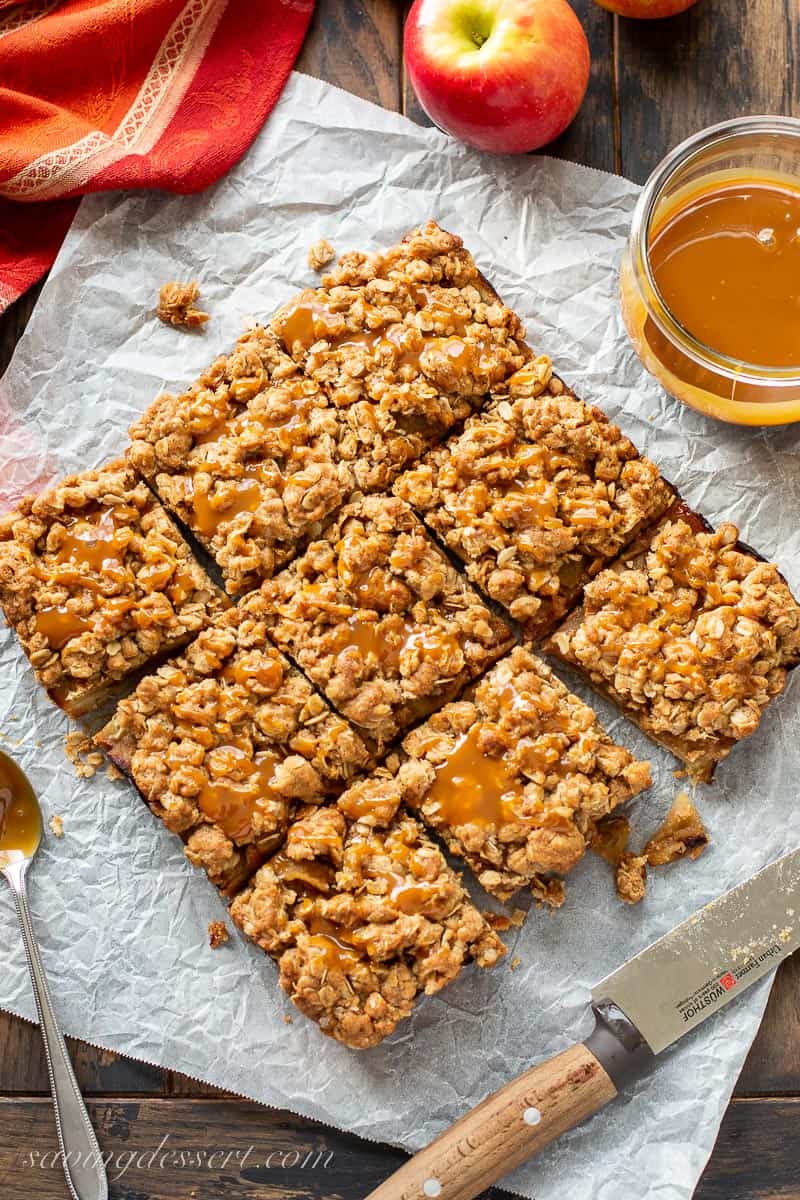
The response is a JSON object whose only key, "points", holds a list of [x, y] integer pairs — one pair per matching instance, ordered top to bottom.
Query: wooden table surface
{"points": [[652, 84]]}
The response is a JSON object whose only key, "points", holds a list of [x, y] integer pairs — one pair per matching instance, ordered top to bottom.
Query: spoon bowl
{"points": [[20, 815]]}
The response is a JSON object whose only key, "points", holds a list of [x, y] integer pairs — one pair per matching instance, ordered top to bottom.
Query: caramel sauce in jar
{"points": [[727, 265], [710, 278], [20, 818]]}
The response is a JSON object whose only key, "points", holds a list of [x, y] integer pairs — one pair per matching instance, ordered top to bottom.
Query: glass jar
{"points": [[750, 148]]}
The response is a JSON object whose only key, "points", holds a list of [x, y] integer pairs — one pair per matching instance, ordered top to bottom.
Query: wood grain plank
{"points": [[357, 47], [718, 60], [590, 137], [13, 322], [773, 1065], [23, 1069], [174, 1149]]}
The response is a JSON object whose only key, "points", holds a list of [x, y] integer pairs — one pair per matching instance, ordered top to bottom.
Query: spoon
{"points": [[20, 835]]}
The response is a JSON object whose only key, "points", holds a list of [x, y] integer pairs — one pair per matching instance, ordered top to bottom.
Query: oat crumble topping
{"points": [[320, 254], [176, 306], [535, 496], [96, 581], [379, 620], [692, 638], [226, 741], [80, 750], [513, 777], [631, 877], [362, 916], [217, 934]]}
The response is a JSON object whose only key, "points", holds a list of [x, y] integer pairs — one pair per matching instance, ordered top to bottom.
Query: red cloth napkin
{"points": [[102, 94]]}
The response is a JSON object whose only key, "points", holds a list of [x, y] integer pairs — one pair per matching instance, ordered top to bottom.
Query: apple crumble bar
{"points": [[405, 343], [251, 458], [535, 496], [96, 581], [379, 620], [691, 634], [226, 741], [513, 777], [362, 916]]}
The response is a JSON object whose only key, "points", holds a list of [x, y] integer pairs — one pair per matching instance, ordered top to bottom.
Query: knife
{"points": [[641, 1009]]}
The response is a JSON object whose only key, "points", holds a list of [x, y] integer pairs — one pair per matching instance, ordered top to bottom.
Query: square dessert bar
{"points": [[405, 343], [252, 458], [536, 495], [97, 581], [378, 619], [690, 633], [225, 742], [513, 777], [362, 916]]}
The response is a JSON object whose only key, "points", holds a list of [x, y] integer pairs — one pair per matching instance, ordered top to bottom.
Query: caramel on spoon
{"points": [[20, 836]]}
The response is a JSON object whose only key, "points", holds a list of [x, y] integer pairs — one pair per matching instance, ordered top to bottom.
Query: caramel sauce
{"points": [[727, 265], [309, 321], [306, 322], [251, 425], [531, 502], [210, 512], [94, 544], [182, 586], [59, 625], [370, 637], [268, 673], [471, 788], [232, 804], [20, 818], [308, 872], [412, 898], [329, 941]]}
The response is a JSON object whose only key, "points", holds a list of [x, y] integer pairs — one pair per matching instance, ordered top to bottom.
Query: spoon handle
{"points": [[81, 1155]]}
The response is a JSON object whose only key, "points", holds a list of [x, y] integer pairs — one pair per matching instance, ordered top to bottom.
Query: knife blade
{"points": [[710, 959], [640, 1009]]}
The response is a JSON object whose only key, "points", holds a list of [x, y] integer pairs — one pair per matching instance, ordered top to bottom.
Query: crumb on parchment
{"points": [[320, 254], [176, 305], [82, 753], [113, 773], [57, 825], [681, 835], [631, 878], [217, 934], [515, 963]]}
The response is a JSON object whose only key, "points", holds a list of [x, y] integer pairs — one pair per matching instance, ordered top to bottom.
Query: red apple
{"points": [[647, 9], [502, 75]]}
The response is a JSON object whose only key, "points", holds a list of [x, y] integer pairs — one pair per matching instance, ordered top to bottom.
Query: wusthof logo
{"points": [[714, 989]]}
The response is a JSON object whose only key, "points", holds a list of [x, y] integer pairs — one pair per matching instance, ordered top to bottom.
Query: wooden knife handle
{"points": [[520, 1119], [507, 1128]]}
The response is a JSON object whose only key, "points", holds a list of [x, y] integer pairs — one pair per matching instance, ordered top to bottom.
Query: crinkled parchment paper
{"points": [[121, 913]]}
